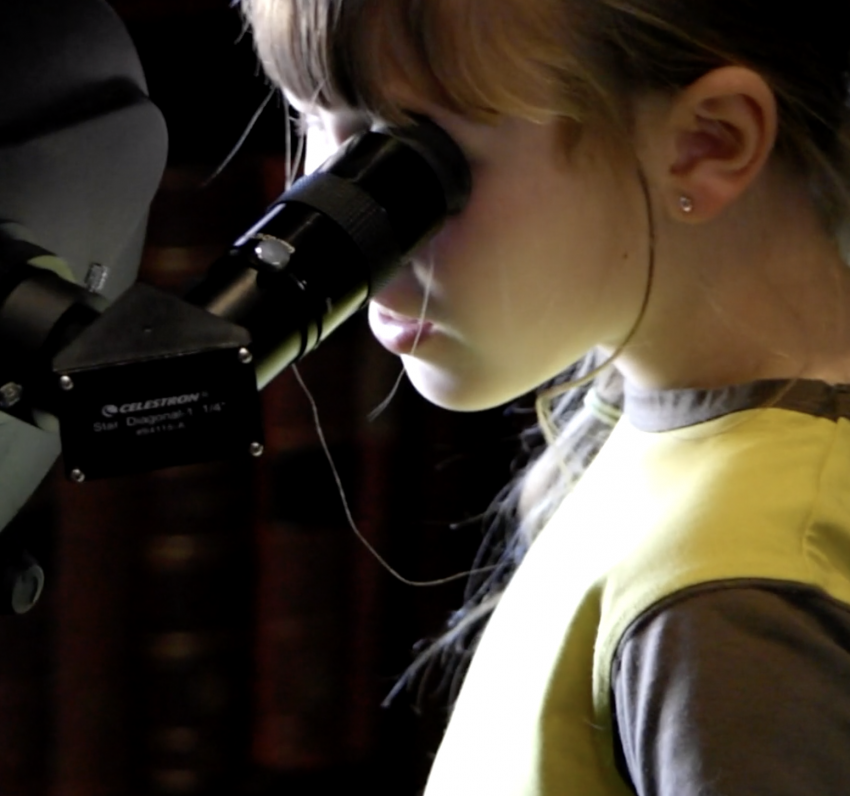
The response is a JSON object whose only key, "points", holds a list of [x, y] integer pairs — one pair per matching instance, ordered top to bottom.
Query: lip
{"points": [[398, 333]]}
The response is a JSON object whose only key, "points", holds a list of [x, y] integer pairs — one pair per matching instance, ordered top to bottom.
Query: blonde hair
{"points": [[575, 59], [509, 60], [578, 60]]}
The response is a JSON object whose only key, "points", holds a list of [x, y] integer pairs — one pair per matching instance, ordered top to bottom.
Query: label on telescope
{"points": [[148, 415]]}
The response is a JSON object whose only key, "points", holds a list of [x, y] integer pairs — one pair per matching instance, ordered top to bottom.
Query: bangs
{"points": [[478, 58]]}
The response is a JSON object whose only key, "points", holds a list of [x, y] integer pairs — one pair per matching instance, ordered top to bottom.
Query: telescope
{"points": [[122, 377]]}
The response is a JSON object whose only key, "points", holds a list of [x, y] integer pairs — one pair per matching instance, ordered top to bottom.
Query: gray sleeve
{"points": [[736, 690]]}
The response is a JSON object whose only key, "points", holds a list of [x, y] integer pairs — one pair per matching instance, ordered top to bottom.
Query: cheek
{"points": [[488, 227], [508, 238], [523, 267]]}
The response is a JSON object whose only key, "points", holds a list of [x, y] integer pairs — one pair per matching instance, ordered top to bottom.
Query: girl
{"points": [[665, 184]]}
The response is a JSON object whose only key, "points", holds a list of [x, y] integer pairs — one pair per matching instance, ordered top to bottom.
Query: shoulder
{"points": [[758, 495], [755, 496], [736, 690]]}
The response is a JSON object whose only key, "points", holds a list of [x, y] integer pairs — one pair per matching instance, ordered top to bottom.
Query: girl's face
{"points": [[547, 260]]}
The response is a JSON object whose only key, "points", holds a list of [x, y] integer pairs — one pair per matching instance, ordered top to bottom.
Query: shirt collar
{"points": [[664, 410]]}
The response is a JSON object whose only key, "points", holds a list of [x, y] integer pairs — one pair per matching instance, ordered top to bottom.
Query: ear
{"points": [[717, 136]]}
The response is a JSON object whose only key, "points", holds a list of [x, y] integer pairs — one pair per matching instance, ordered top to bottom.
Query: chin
{"points": [[458, 392]]}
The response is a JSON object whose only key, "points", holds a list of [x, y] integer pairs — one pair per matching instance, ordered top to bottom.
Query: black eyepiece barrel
{"points": [[335, 238]]}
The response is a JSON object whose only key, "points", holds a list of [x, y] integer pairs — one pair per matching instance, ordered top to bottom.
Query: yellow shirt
{"points": [[762, 493]]}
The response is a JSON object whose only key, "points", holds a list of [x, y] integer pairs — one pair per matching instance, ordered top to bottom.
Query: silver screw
{"points": [[273, 252], [96, 277], [245, 356], [66, 383], [10, 394], [256, 449], [78, 476], [28, 585]]}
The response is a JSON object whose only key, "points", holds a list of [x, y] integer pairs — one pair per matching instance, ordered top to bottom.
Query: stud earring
{"points": [[686, 204]]}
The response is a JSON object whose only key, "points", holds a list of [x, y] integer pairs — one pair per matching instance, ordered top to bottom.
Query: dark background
{"points": [[219, 629]]}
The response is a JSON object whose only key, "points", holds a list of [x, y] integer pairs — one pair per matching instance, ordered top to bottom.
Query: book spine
{"points": [[301, 552], [195, 561], [92, 597], [195, 638]]}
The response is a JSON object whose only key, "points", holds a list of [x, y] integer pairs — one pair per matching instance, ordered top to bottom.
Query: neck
{"points": [[759, 292]]}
